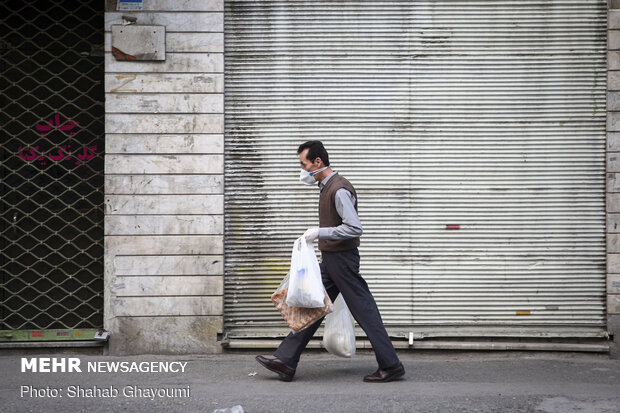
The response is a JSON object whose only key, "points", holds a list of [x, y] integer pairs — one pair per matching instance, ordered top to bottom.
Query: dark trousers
{"points": [[340, 273]]}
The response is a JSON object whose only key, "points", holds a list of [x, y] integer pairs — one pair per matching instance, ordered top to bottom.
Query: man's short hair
{"points": [[315, 150]]}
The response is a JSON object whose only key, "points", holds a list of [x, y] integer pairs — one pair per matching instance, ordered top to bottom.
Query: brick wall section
{"points": [[613, 176], [164, 184]]}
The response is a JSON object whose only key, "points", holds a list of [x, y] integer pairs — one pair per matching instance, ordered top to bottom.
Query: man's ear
{"points": [[318, 163]]}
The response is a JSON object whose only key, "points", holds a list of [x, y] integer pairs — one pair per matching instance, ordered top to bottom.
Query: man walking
{"points": [[339, 236]]}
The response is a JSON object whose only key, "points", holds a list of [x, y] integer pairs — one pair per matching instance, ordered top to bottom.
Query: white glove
{"points": [[311, 234]]}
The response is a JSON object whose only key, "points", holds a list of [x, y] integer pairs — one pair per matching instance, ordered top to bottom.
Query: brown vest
{"points": [[328, 215]]}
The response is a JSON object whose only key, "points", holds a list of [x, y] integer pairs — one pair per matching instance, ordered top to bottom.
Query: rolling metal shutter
{"points": [[474, 133]]}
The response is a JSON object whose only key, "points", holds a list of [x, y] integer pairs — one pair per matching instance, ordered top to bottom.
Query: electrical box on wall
{"points": [[138, 42]]}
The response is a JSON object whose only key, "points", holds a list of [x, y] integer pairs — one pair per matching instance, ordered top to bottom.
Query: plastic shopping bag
{"points": [[305, 284], [299, 318], [339, 334]]}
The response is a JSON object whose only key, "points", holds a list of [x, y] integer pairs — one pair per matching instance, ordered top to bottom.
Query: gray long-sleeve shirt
{"points": [[351, 226]]}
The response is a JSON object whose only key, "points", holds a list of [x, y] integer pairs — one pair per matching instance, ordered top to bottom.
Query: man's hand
{"points": [[311, 234]]}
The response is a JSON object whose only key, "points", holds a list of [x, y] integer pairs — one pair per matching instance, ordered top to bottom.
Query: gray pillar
{"points": [[613, 176]]}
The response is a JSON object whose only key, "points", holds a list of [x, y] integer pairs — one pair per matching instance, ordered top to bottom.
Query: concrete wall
{"points": [[613, 176], [164, 199]]}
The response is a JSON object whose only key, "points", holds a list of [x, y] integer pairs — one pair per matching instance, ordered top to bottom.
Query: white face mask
{"points": [[307, 178]]}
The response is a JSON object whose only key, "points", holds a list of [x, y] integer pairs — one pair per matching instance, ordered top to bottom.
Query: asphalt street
{"points": [[435, 382]]}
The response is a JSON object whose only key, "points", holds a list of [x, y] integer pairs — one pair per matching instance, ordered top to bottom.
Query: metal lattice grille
{"points": [[52, 164]]}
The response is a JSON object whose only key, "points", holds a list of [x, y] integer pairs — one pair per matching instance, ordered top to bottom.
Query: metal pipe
{"points": [[439, 345]]}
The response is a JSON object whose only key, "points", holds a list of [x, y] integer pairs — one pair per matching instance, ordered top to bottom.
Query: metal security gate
{"points": [[474, 133], [51, 170]]}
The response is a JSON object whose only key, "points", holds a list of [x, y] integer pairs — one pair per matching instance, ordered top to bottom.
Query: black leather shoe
{"points": [[276, 365], [385, 375]]}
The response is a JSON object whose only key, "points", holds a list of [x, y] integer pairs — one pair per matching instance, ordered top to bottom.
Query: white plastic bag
{"points": [[305, 288], [339, 334]]}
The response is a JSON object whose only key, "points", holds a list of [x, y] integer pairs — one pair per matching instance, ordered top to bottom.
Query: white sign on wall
{"points": [[129, 5]]}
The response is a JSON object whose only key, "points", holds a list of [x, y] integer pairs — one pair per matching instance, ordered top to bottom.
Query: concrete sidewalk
{"points": [[435, 382]]}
